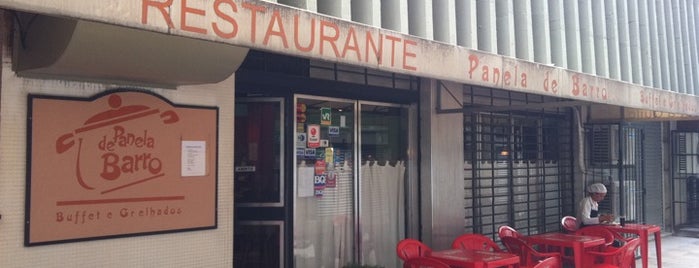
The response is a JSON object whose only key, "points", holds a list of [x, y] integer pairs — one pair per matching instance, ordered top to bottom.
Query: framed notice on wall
{"points": [[121, 163]]}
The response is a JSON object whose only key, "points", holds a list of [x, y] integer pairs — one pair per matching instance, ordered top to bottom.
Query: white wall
{"points": [[441, 160], [207, 248]]}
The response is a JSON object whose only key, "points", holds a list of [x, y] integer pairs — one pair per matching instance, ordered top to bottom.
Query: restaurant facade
{"points": [[195, 133]]}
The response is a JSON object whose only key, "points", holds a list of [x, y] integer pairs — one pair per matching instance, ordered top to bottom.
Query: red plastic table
{"points": [[643, 231], [577, 242], [475, 258]]}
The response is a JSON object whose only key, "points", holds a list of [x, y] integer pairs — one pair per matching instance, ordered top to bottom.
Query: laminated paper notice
{"points": [[193, 158], [305, 181]]}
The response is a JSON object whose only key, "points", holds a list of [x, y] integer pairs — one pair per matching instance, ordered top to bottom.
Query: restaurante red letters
{"points": [[323, 37]]}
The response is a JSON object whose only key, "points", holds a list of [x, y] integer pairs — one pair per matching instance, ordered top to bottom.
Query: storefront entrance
{"points": [[615, 158], [347, 163], [349, 174], [259, 183], [685, 183]]}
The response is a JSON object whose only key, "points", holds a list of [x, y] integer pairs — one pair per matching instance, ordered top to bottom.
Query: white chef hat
{"points": [[597, 188]]}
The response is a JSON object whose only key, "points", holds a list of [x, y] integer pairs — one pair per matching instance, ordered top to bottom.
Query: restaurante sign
{"points": [[268, 26], [118, 164]]}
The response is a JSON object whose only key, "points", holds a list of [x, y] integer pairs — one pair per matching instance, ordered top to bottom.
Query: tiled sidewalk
{"points": [[678, 252]]}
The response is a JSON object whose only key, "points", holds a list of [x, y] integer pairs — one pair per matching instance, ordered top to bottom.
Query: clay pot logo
{"points": [[120, 148]]}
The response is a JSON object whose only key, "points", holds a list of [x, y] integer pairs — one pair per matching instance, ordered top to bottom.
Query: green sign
{"points": [[325, 116]]}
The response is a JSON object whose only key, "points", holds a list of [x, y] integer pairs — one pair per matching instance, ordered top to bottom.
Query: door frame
{"points": [[282, 149], [411, 205], [271, 213]]}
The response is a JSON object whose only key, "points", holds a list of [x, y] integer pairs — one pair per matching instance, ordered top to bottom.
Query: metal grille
{"points": [[603, 140], [518, 164], [621, 172], [685, 182]]}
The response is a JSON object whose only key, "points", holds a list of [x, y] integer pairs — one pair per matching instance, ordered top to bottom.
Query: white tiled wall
{"points": [[206, 248]]}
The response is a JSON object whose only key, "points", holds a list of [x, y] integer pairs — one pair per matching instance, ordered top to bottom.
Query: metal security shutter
{"points": [[518, 164], [653, 188]]}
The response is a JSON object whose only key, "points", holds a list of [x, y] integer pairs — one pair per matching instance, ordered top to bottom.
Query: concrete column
{"points": [[310, 5], [337, 8], [692, 9], [367, 12], [393, 15], [610, 16], [444, 21], [420, 22], [466, 23], [572, 24], [505, 27], [644, 31], [541, 32], [524, 38], [487, 39], [599, 39], [624, 42], [635, 42], [662, 45], [679, 45], [559, 46], [671, 46], [587, 47], [687, 54], [655, 65], [441, 166]]}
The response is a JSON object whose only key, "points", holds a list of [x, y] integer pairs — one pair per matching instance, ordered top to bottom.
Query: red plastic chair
{"points": [[569, 224], [507, 231], [600, 231], [609, 235], [475, 241], [411, 248], [529, 257], [623, 257], [424, 262], [550, 262]]}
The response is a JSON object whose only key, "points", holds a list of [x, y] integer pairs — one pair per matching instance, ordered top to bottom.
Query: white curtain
{"points": [[382, 220], [324, 225]]}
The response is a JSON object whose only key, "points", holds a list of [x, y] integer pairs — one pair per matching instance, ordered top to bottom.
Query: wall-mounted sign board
{"points": [[121, 163]]}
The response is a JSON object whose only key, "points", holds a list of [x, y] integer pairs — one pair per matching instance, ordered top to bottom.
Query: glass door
{"points": [[384, 145], [259, 185], [324, 201], [347, 213]]}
